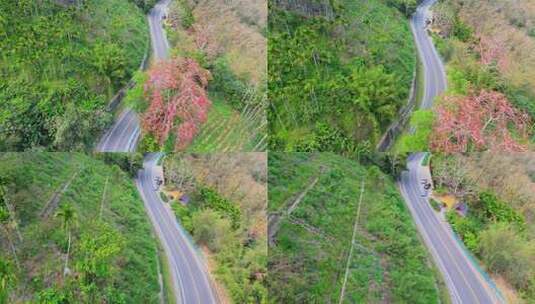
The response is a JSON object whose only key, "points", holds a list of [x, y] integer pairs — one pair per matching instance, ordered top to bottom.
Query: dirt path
{"points": [[52, 204], [275, 218], [355, 225]]}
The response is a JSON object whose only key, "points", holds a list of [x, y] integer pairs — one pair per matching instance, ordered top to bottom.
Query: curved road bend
{"points": [[434, 72], [434, 75], [124, 133], [190, 279], [465, 283]]}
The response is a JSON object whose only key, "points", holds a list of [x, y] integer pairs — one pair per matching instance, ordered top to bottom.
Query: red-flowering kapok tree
{"points": [[493, 50], [176, 89], [479, 121]]}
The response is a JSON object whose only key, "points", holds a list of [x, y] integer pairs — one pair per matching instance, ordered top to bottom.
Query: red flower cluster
{"points": [[493, 50], [176, 89], [483, 121]]}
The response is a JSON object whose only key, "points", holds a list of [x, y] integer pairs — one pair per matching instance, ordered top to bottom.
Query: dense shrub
{"points": [[145, 5], [225, 82], [128, 162], [213, 200], [311, 244], [113, 252]]}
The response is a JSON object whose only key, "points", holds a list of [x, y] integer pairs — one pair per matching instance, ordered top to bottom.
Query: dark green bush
{"points": [[145, 5], [461, 30], [128, 162], [215, 201]]}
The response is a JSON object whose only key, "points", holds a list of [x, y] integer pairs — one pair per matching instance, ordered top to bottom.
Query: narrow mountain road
{"points": [[160, 46], [434, 71], [434, 75], [124, 133], [189, 276], [464, 281]]}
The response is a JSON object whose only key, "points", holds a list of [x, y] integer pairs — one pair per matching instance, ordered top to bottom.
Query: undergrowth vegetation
{"points": [[61, 62], [338, 73], [489, 102], [313, 205], [225, 214], [498, 228], [74, 230]]}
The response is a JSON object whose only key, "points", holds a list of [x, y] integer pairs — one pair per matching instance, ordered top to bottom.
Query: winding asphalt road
{"points": [[434, 72], [434, 75], [124, 133], [189, 276], [465, 283]]}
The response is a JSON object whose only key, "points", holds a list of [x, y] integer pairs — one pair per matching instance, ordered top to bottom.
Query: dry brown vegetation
{"points": [[249, 11], [506, 28], [233, 29], [510, 176], [239, 177], [226, 216], [500, 225]]}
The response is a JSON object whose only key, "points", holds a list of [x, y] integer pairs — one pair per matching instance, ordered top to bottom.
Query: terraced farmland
{"points": [[227, 131]]}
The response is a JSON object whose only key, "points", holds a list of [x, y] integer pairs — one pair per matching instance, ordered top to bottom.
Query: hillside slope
{"points": [[225, 42], [488, 48], [61, 62], [339, 71], [48, 197], [313, 205], [226, 215], [498, 225]]}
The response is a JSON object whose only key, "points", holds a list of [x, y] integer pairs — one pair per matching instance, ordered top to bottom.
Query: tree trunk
{"points": [[67, 258]]}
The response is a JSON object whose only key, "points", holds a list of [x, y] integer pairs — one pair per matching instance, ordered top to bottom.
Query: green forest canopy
{"points": [[61, 62], [337, 81]]}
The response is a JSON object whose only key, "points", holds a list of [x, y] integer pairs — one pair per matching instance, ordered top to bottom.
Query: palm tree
{"points": [[68, 216]]}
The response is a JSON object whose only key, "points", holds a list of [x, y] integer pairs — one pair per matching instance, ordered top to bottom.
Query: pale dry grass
{"points": [[249, 11], [507, 23], [229, 28], [228, 33], [510, 176], [508, 292]]}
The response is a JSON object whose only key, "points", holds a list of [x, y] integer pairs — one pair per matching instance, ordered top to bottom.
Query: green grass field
{"points": [[310, 252], [113, 253]]}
